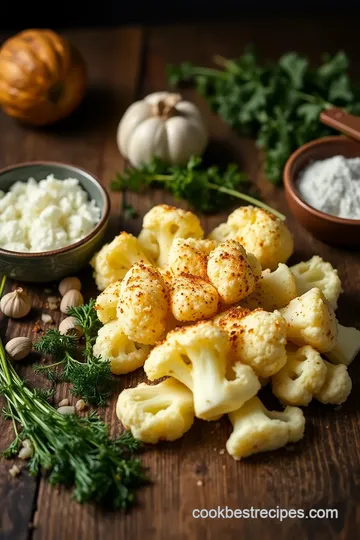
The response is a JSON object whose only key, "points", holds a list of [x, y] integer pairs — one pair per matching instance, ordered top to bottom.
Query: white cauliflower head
{"points": [[161, 226], [260, 232], [190, 256], [113, 260], [232, 271], [318, 273], [274, 290], [192, 298], [107, 301], [143, 304], [311, 321], [257, 338], [347, 346], [124, 354], [198, 356], [301, 378], [337, 385], [162, 412], [256, 429]]}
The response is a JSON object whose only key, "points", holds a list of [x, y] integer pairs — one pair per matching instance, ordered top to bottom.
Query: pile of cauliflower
{"points": [[219, 318]]}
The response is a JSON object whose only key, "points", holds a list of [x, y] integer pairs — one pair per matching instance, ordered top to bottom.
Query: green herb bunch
{"points": [[278, 103], [90, 376]]}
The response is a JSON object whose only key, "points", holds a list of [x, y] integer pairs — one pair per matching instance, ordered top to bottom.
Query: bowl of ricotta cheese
{"points": [[322, 186], [53, 217]]}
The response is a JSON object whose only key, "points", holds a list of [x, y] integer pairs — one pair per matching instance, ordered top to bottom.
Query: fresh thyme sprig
{"points": [[204, 189]]}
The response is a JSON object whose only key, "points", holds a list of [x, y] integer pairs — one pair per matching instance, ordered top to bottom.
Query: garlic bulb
{"points": [[162, 125], [68, 284], [72, 298], [15, 304], [69, 326], [18, 348]]}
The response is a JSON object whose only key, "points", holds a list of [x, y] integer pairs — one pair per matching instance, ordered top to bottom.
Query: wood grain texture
{"points": [[323, 470]]}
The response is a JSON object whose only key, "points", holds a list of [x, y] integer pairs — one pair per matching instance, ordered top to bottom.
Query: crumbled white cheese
{"points": [[45, 215]]}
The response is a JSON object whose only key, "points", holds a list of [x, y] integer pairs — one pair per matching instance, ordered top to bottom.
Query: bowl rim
{"points": [[289, 181], [103, 220]]}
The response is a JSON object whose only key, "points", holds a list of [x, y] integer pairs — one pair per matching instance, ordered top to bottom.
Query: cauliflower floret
{"points": [[161, 225], [260, 232], [190, 256], [113, 260], [232, 271], [318, 273], [274, 290], [192, 298], [107, 301], [143, 304], [311, 321], [257, 338], [347, 346], [124, 354], [198, 356], [301, 378], [337, 385], [162, 412], [256, 429]]}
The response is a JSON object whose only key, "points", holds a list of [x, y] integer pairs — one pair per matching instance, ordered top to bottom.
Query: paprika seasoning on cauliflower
{"points": [[190, 256], [274, 290], [192, 298], [107, 301]]}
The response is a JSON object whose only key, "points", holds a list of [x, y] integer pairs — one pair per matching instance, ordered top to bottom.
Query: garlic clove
{"points": [[69, 284], [72, 298], [16, 304], [70, 327], [18, 348], [67, 409]]}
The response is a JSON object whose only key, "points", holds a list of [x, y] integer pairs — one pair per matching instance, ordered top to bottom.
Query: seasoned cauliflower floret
{"points": [[161, 225], [260, 232], [190, 256], [113, 260], [232, 271], [318, 273], [274, 290], [192, 298], [107, 301], [143, 304], [311, 321], [258, 338], [347, 346], [124, 354], [198, 356], [301, 378], [337, 385], [162, 412], [256, 429]]}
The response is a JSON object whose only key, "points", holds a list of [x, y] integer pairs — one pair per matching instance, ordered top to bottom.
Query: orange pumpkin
{"points": [[42, 77]]}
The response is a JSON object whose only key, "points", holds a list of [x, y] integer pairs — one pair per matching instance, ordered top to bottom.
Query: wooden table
{"points": [[323, 470]]}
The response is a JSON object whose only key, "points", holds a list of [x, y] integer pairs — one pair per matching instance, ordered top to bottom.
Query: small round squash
{"points": [[42, 77]]}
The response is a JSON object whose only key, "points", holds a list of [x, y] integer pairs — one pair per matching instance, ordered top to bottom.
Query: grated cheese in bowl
{"points": [[46, 215]]}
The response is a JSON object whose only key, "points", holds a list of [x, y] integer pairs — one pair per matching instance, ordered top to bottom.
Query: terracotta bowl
{"points": [[330, 229], [48, 266]]}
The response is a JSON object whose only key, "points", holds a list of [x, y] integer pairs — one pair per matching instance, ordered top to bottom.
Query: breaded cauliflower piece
{"points": [[161, 225], [260, 232], [190, 256], [113, 260], [232, 271], [318, 273], [274, 290], [192, 298], [107, 301], [143, 304], [311, 321], [257, 338], [347, 346], [124, 354], [198, 356], [301, 378], [337, 385], [162, 412], [256, 429]]}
